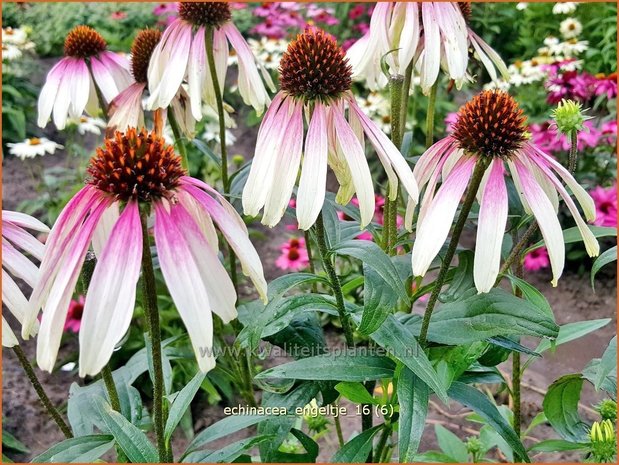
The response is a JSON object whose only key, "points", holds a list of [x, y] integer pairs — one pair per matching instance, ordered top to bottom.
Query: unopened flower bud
{"points": [[569, 116]]}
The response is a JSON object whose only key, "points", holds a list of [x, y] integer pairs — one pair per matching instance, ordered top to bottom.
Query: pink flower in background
{"points": [[165, 8], [356, 12], [118, 15], [283, 19], [569, 85], [606, 85], [609, 132], [545, 136], [605, 200], [294, 255], [536, 259], [74, 315]]}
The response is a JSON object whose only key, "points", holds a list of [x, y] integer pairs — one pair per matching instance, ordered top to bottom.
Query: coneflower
{"points": [[430, 35], [183, 52], [315, 82], [69, 88], [491, 130], [136, 172]]}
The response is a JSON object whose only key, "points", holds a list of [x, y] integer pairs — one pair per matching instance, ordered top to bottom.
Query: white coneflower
{"points": [[564, 8], [570, 28], [432, 35], [182, 52], [315, 78], [69, 88], [88, 125], [491, 129], [32, 147], [15, 263]]}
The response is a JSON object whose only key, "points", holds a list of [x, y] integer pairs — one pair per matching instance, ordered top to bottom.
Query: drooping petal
{"points": [[410, 36], [454, 38], [484, 51], [431, 56], [197, 69], [104, 79], [80, 87], [50, 91], [63, 96], [125, 111], [355, 157], [284, 177], [312, 185], [202, 219], [547, 219], [24, 221], [104, 228], [434, 228], [490, 228], [23, 239], [19, 266], [111, 295], [190, 295], [15, 301], [8, 337]]}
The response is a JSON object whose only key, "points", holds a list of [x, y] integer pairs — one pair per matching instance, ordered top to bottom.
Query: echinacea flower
{"points": [[564, 8], [570, 28], [431, 35], [182, 52], [315, 81], [69, 88], [126, 110], [88, 125], [491, 130], [32, 147], [134, 175], [605, 205], [294, 256], [536, 259], [15, 263], [74, 315]]}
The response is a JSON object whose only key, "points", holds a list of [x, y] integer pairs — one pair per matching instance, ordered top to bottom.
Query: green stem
{"points": [[406, 85], [220, 109], [430, 115], [178, 138], [573, 155], [478, 173], [310, 257], [334, 280], [151, 310], [110, 386], [38, 387], [338, 430], [384, 435]]}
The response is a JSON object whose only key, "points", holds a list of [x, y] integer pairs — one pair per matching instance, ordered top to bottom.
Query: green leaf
{"points": [[572, 235], [372, 255], [605, 258], [462, 280], [532, 294], [378, 301], [291, 307], [482, 316], [401, 344], [608, 363], [345, 367], [355, 392], [413, 395], [478, 402], [181, 404], [561, 408], [223, 428], [131, 440], [11, 442], [451, 444], [557, 445], [310, 446], [83, 449], [357, 449], [228, 453]]}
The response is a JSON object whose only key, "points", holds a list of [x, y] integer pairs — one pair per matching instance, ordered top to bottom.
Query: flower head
{"points": [[564, 8], [570, 28], [315, 84], [69, 89], [569, 117], [491, 130], [32, 147], [132, 177], [605, 205], [294, 256], [536, 259], [15, 263]]}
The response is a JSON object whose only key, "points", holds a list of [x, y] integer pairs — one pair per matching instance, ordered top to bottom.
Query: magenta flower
{"points": [[165, 8], [356, 11], [182, 52], [315, 78], [569, 85], [606, 85], [69, 88], [491, 130], [609, 132], [136, 172], [605, 205], [294, 255], [536, 259], [15, 263], [74, 315]]}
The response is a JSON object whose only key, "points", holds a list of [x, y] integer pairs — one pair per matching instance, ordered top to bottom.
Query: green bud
{"points": [[569, 116], [238, 160], [607, 409], [603, 441], [473, 445]]}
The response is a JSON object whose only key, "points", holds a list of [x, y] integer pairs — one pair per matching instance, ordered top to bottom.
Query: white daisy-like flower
{"points": [[522, 6], [564, 8], [570, 28], [14, 36], [571, 48], [268, 51], [10, 52], [378, 108], [88, 125], [32, 147]]}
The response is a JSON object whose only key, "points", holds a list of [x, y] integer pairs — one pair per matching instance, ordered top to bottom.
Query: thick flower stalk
{"points": [[431, 35], [182, 53], [315, 82], [73, 84], [126, 109], [491, 129], [132, 175], [14, 262]]}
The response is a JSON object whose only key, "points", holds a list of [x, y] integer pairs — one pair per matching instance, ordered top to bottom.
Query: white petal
{"points": [[431, 60], [49, 91], [24, 221], [104, 229], [8, 337]]}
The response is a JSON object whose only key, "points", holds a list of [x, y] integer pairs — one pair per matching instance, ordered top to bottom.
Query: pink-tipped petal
{"points": [[411, 34], [80, 87], [50, 91], [63, 96], [125, 111], [312, 185], [24, 221], [104, 228], [434, 228], [491, 228], [23, 239], [19, 266], [111, 295], [15, 300]]}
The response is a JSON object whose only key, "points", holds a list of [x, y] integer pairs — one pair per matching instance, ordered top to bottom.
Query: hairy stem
{"points": [[178, 138], [478, 173], [310, 257], [151, 310], [38, 387]]}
